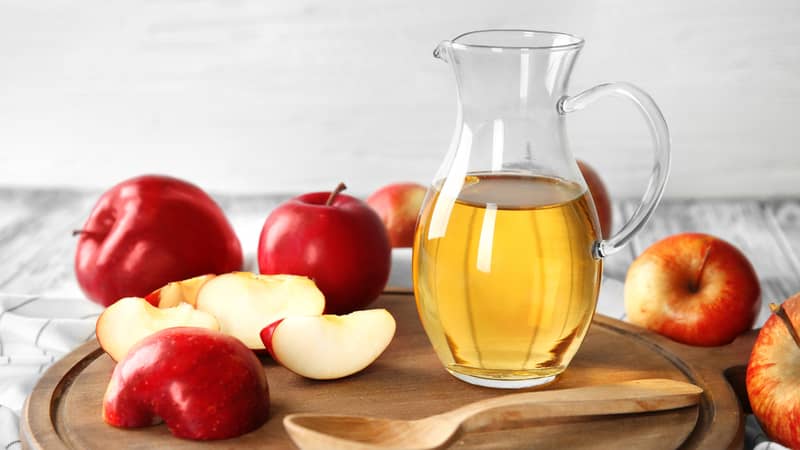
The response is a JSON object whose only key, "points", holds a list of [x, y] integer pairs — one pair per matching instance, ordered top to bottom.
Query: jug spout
{"points": [[440, 52]]}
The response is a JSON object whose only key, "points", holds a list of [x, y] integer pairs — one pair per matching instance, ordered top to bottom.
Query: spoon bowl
{"points": [[315, 431]]}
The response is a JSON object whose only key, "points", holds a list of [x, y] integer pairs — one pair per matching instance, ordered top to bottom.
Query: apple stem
{"points": [[339, 188], [696, 285], [781, 313]]}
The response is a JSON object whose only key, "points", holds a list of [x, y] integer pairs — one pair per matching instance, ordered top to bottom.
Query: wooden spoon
{"points": [[317, 431]]}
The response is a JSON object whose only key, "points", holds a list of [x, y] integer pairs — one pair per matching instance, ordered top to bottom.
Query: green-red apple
{"points": [[398, 206], [693, 288], [773, 374]]}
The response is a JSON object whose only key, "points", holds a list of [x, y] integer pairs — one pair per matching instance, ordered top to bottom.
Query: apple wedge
{"points": [[177, 292], [245, 302], [131, 319], [330, 346], [204, 385]]}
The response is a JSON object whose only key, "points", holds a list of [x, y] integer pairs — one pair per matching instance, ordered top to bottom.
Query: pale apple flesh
{"points": [[693, 288], [177, 292], [244, 302], [131, 319], [330, 346], [773, 377], [202, 383]]}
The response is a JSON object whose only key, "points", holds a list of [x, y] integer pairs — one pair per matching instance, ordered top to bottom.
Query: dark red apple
{"points": [[602, 200], [398, 205], [148, 231], [336, 240], [693, 288], [773, 374], [202, 383]]}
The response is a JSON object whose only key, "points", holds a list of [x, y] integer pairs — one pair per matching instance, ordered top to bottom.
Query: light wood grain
{"points": [[254, 97], [408, 382]]}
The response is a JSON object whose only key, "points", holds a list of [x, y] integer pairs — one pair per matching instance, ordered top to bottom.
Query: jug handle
{"points": [[658, 176]]}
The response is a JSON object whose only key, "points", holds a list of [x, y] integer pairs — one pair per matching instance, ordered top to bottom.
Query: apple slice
{"points": [[178, 291], [245, 302], [131, 319], [330, 346]]}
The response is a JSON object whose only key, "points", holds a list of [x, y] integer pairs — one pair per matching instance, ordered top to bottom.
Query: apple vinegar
{"points": [[505, 278]]}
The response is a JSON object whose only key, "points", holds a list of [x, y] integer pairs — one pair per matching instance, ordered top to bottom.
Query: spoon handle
{"points": [[625, 397]]}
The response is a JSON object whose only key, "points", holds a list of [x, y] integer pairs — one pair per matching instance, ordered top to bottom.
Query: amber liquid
{"points": [[504, 275]]}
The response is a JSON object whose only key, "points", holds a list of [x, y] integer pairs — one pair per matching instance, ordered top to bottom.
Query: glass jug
{"points": [[507, 255]]}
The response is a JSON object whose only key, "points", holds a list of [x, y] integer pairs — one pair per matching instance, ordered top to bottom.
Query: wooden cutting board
{"points": [[407, 381]]}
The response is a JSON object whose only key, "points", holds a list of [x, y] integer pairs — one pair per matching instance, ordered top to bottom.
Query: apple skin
{"points": [[602, 200], [398, 206], [148, 231], [343, 247], [693, 288], [266, 338], [329, 347], [773, 377], [204, 384]]}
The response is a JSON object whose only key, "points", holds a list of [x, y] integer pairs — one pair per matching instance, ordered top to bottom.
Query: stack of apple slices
{"points": [[279, 313], [132, 319]]}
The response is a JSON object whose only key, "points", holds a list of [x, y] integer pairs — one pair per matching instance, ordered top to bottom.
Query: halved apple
{"points": [[178, 291], [245, 302], [131, 319], [328, 347]]}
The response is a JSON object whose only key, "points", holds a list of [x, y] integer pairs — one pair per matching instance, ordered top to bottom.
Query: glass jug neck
{"points": [[503, 73]]}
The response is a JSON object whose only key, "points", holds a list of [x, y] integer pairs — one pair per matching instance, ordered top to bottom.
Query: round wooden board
{"points": [[407, 381]]}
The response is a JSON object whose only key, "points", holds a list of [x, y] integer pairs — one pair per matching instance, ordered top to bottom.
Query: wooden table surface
{"points": [[37, 248]]}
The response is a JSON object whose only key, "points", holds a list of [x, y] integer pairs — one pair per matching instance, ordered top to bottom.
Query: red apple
{"points": [[602, 201], [398, 205], [148, 231], [336, 240], [693, 288], [131, 319], [329, 347], [773, 374], [202, 383]]}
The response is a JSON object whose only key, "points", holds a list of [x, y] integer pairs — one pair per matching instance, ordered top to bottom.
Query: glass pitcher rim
{"points": [[574, 41]]}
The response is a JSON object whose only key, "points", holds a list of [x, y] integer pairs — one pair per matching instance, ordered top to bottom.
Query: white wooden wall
{"points": [[263, 96]]}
